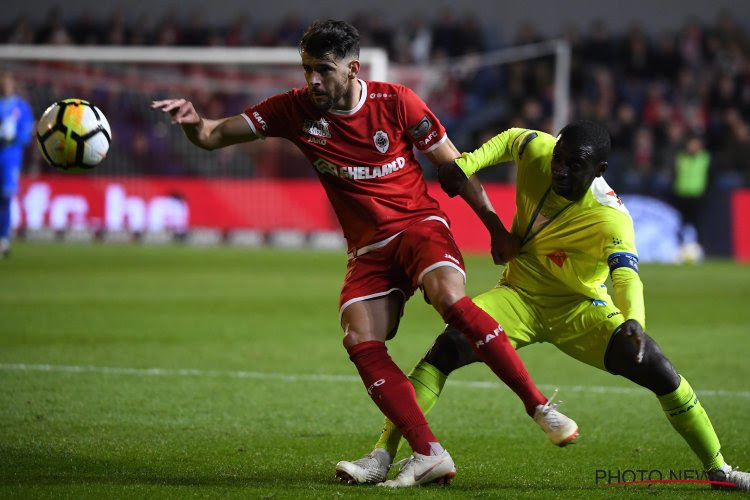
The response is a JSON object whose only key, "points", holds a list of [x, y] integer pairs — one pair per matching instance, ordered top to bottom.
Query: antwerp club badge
{"points": [[381, 141]]}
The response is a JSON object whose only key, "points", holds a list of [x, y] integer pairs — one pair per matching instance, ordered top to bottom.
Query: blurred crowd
{"points": [[671, 99]]}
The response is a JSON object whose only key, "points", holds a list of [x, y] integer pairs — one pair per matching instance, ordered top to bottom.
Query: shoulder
{"points": [[386, 87], [386, 92], [290, 97], [296, 97], [20, 101], [291, 102], [17, 104], [26, 106], [535, 141], [605, 196], [605, 210]]}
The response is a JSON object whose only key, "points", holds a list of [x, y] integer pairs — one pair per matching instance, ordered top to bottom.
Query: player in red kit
{"points": [[360, 137]]}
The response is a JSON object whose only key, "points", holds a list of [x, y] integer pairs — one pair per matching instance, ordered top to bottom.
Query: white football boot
{"points": [[560, 429], [370, 469], [421, 469], [740, 480]]}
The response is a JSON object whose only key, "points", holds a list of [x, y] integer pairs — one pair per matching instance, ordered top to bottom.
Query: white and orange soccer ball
{"points": [[73, 134]]}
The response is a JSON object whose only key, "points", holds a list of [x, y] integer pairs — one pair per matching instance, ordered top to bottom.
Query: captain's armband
{"points": [[622, 259]]}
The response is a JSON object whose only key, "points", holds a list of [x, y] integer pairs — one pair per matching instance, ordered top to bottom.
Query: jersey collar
{"points": [[362, 98]]}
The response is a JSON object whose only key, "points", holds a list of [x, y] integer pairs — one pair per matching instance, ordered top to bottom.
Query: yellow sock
{"points": [[428, 382], [687, 416]]}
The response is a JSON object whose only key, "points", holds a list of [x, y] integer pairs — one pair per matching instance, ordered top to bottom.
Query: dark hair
{"points": [[330, 37], [588, 133]]}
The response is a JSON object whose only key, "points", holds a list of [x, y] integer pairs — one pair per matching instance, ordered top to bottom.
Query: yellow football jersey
{"points": [[567, 246]]}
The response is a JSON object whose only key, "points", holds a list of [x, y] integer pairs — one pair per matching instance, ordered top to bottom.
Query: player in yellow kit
{"points": [[570, 232]]}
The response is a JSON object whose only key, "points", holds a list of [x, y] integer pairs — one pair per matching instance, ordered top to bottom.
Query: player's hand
{"points": [[182, 111], [452, 178], [505, 246], [633, 331]]}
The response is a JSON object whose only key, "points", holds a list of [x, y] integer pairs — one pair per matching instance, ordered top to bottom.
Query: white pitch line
{"points": [[315, 377]]}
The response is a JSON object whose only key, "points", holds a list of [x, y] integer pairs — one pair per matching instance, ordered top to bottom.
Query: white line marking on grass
{"points": [[313, 377]]}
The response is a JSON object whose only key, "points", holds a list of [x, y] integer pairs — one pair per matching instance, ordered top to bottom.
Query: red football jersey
{"points": [[364, 157]]}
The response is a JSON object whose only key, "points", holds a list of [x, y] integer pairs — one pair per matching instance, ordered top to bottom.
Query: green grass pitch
{"points": [[174, 372]]}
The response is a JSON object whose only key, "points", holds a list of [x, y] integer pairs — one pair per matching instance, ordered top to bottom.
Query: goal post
{"points": [[374, 58]]}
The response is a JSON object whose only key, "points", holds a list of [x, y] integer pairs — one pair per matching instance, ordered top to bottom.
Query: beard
{"points": [[327, 100], [321, 102]]}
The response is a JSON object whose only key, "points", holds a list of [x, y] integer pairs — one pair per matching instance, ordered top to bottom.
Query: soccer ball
{"points": [[73, 134]]}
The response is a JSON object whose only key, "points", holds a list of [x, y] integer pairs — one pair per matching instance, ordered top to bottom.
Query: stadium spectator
{"points": [[20, 31], [53, 31], [447, 37], [420, 40], [637, 56], [667, 59], [16, 121], [360, 135], [733, 158], [691, 169], [574, 231]]}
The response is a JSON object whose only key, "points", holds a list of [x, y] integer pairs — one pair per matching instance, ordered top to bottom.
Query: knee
{"points": [[443, 287], [444, 296], [352, 338], [450, 351], [655, 372]]}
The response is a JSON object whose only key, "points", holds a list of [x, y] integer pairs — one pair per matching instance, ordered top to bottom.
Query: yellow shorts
{"points": [[580, 327]]}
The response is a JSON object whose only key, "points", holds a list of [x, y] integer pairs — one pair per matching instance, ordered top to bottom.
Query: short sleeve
{"points": [[271, 117], [423, 128]]}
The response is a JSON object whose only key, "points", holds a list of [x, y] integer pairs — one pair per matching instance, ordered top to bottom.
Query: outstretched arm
{"points": [[203, 132], [499, 149], [504, 246]]}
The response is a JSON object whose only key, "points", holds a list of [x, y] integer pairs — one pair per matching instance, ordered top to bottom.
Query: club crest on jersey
{"points": [[317, 128], [381, 141]]}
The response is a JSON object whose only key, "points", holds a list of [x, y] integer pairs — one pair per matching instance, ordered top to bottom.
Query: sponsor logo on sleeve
{"points": [[261, 121], [420, 129], [381, 141], [424, 142]]}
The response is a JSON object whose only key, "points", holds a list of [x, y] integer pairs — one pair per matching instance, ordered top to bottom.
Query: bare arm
{"points": [[203, 132], [504, 245]]}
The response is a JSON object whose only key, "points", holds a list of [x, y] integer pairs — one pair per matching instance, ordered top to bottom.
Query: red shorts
{"points": [[401, 263]]}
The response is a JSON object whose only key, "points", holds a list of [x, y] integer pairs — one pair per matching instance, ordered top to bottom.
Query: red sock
{"points": [[489, 341], [393, 393]]}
